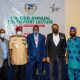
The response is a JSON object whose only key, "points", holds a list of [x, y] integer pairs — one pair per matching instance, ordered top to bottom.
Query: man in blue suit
{"points": [[36, 52]]}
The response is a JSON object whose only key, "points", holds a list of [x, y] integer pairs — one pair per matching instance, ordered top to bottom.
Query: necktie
{"points": [[36, 40]]}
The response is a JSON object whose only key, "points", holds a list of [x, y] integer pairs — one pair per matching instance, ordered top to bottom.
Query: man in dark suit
{"points": [[56, 47], [36, 52]]}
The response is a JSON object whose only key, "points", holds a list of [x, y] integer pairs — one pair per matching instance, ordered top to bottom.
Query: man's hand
{"points": [[66, 57], [44, 60], [48, 60]]}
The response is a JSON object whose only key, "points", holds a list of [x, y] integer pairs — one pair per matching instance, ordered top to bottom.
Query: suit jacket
{"points": [[58, 50], [1, 52], [33, 52]]}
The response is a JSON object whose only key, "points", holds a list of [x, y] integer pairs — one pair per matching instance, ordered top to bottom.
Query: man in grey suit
{"points": [[3, 55], [1, 59]]}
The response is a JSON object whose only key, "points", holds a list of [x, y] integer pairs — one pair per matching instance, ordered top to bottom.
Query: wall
{"points": [[72, 15]]}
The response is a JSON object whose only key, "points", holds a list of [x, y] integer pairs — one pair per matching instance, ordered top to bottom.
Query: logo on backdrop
{"points": [[30, 8], [54, 9]]}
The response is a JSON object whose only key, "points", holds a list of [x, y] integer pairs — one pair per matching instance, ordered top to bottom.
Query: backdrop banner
{"points": [[30, 12], [27, 13]]}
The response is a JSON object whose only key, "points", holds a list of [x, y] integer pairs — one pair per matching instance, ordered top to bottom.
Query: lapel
{"points": [[33, 38], [39, 39], [52, 39], [59, 40], [6, 42], [0, 46], [1, 51]]}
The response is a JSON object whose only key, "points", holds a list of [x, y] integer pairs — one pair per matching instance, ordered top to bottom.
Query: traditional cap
{"points": [[18, 28], [73, 28]]}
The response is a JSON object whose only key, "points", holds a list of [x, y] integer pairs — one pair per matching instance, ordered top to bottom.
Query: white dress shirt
{"points": [[36, 39], [56, 39]]}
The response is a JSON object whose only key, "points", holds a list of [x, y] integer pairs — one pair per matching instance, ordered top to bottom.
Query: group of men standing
{"points": [[18, 51]]}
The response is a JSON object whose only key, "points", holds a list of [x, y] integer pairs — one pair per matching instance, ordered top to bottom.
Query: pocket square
{"points": [[62, 37]]}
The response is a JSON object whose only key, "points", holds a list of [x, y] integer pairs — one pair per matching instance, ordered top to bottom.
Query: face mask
{"points": [[55, 31], [36, 32], [19, 33], [2, 35], [72, 35]]}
